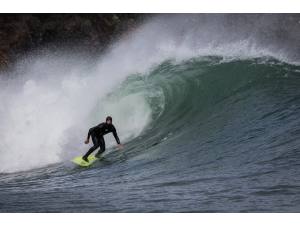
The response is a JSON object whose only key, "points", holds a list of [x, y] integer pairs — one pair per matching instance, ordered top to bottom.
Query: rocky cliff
{"points": [[20, 33]]}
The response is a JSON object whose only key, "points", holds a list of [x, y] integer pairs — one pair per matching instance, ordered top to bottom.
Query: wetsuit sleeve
{"points": [[90, 131], [115, 135]]}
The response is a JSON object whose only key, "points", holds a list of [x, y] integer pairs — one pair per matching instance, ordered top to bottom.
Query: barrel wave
{"points": [[202, 132]]}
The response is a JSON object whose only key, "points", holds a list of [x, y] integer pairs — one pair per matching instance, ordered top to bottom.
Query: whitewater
{"points": [[207, 107]]}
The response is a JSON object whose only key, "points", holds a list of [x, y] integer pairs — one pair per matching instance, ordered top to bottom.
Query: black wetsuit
{"points": [[97, 133]]}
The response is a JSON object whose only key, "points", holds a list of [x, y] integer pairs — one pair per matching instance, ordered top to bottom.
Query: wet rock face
{"points": [[20, 33]]}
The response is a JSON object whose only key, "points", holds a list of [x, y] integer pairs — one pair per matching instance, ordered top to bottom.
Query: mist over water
{"points": [[205, 104], [43, 110]]}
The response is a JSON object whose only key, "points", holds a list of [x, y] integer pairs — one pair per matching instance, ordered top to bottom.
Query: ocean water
{"points": [[207, 110]]}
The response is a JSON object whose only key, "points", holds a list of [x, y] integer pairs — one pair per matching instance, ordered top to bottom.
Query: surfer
{"points": [[97, 134]]}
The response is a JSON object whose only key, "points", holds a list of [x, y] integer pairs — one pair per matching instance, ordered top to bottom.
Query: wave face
{"points": [[207, 129]]}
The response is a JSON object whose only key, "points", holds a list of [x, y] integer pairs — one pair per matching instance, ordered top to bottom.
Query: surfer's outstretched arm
{"points": [[89, 135], [117, 138]]}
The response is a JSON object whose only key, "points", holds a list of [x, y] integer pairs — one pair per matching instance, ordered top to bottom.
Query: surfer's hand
{"points": [[86, 141], [120, 146]]}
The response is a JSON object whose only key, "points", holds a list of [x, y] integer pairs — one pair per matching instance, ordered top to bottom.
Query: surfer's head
{"points": [[108, 120]]}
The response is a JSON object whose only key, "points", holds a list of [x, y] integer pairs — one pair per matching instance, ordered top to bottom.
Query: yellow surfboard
{"points": [[79, 161]]}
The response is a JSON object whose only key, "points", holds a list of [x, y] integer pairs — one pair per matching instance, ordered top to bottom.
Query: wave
{"points": [[171, 78], [206, 104]]}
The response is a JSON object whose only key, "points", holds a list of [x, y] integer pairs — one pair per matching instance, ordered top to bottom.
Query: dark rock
{"points": [[21, 33]]}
